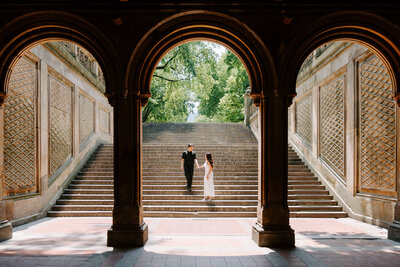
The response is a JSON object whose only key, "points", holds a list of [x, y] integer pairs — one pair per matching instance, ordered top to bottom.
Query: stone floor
{"points": [[198, 242]]}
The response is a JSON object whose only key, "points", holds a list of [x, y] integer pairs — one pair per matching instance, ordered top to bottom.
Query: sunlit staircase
{"points": [[234, 149]]}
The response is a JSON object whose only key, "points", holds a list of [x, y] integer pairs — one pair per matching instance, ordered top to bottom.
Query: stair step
{"points": [[198, 174], [201, 177], [94, 182], [200, 182], [304, 182], [164, 185], [91, 186], [199, 187], [301, 187], [89, 191], [198, 192], [307, 192], [87, 196], [198, 197], [309, 197], [85, 202], [199, 202], [321, 202], [209, 206], [82, 208], [315, 208], [79, 213], [199, 214], [318, 214]]}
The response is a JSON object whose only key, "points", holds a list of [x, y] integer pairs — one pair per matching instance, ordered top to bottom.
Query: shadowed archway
{"points": [[26, 31]]}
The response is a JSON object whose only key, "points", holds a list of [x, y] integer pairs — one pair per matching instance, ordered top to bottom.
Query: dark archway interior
{"points": [[272, 39]]}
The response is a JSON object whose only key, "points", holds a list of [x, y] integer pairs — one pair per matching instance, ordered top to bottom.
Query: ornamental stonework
{"points": [[86, 117], [304, 118], [104, 120], [60, 123], [332, 124], [377, 128], [20, 174]]}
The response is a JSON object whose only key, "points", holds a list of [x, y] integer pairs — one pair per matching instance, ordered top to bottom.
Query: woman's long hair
{"points": [[209, 159]]}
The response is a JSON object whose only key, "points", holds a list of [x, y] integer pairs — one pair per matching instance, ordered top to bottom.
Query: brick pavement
{"points": [[198, 242]]}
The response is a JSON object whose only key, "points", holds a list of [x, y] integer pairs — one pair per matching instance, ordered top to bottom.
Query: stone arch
{"points": [[200, 25], [368, 29], [22, 33]]}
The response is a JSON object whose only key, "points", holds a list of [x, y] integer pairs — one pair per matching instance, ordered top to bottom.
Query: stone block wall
{"points": [[54, 116], [343, 124]]}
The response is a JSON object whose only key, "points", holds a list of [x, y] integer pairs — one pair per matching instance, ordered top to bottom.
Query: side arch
{"points": [[200, 25], [31, 29], [373, 31]]}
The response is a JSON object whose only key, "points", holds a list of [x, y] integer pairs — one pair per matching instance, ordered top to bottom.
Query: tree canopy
{"points": [[195, 73]]}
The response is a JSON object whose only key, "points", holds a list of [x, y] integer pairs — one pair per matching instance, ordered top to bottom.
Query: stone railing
{"points": [[315, 54], [84, 58], [250, 113]]}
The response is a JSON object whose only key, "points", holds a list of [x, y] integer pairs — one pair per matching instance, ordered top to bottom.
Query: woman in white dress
{"points": [[208, 178]]}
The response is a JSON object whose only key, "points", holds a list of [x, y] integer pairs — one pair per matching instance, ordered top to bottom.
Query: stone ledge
{"points": [[5, 230], [394, 231], [136, 237], [274, 237]]}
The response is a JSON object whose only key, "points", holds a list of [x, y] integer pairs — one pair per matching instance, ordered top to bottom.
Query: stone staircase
{"points": [[234, 149]]}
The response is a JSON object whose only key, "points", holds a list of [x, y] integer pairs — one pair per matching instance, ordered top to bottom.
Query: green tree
{"points": [[195, 71], [172, 82]]}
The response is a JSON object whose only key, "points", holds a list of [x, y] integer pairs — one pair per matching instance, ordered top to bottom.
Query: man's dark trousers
{"points": [[189, 168]]}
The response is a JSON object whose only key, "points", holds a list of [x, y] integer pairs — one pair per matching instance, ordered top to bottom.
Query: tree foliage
{"points": [[194, 72]]}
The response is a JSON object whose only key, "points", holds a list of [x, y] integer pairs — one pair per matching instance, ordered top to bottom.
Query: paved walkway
{"points": [[198, 242]]}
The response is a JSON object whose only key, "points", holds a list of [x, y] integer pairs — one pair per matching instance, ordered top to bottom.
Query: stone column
{"points": [[5, 225], [128, 227], [394, 227], [272, 228]]}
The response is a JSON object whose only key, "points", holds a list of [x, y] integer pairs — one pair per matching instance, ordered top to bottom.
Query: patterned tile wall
{"points": [[86, 117], [304, 118], [104, 119], [60, 123], [332, 124], [377, 127], [20, 175]]}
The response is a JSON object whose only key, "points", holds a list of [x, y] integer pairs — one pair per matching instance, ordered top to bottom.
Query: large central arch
{"points": [[200, 25], [248, 47]]}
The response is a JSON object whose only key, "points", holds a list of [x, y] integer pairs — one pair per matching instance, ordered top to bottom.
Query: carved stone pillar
{"points": [[5, 225], [128, 227], [394, 227], [272, 228]]}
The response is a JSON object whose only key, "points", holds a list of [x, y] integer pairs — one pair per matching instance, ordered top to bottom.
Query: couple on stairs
{"points": [[187, 164]]}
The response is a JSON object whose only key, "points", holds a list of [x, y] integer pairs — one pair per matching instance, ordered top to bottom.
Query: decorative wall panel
{"points": [[86, 117], [104, 118], [304, 118], [60, 123], [332, 124], [377, 127], [20, 176]]}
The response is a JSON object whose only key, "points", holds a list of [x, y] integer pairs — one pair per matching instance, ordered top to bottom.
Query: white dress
{"points": [[208, 183]]}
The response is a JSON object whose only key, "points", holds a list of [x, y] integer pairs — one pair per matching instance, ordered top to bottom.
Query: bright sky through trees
{"points": [[201, 77]]}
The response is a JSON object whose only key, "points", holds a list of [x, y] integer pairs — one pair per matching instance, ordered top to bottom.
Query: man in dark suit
{"points": [[187, 164]]}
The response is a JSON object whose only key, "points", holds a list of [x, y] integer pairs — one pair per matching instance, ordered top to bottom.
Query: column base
{"points": [[5, 230], [394, 231], [136, 237], [273, 237]]}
